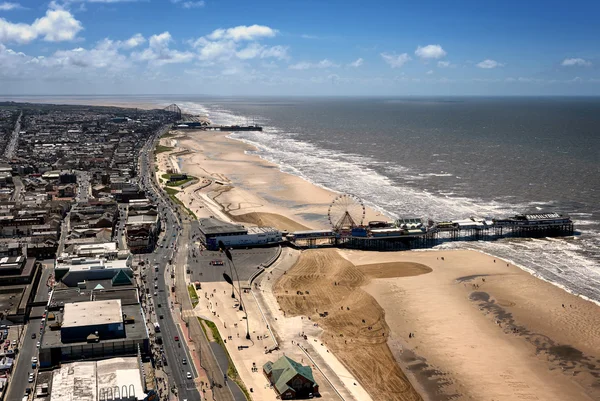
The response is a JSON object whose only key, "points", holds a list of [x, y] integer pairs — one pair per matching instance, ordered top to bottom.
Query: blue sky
{"points": [[278, 47]]}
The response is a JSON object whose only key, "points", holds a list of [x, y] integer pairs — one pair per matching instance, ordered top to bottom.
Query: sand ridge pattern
{"points": [[264, 219], [354, 328]]}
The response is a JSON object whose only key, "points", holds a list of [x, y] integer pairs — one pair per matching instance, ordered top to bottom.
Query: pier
{"points": [[205, 126], [412, 233]]}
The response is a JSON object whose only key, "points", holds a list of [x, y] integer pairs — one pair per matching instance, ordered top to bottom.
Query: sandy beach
{"points": [[251, 190], [483, 329]]}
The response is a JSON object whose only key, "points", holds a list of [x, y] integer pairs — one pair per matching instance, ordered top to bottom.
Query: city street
{"points": [[28, 349], [175, 351]]}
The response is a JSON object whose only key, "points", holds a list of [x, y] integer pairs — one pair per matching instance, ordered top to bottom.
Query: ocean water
{"points": [[444, 158]]}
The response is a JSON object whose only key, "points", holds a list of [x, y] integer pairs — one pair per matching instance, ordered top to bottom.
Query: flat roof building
{"points": [[78, 314], [93, 323], [117, 379]]}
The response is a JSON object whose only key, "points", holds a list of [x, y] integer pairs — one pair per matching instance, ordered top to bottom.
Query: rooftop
{"points": [[142, 219], [212, 226], [80, 264], [92, 313], [134, 331], [88, 381]]}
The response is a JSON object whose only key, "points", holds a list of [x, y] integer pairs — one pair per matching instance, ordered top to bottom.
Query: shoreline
{"points": [[233, 160]]}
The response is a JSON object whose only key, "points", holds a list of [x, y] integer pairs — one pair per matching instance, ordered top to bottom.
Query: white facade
{"points": [[255, 236]]}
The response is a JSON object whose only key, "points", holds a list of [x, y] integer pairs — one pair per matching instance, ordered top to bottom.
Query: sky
{"points": [[308, 47]]}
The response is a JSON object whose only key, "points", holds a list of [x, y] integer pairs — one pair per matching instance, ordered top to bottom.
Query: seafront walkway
{"points": [[288, 330], [207, 359]]}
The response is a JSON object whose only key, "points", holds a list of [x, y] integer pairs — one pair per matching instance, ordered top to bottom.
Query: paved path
{"points": [[290, 328]]}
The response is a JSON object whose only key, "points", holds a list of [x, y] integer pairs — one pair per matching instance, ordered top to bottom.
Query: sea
{"points": [[445, 158]]}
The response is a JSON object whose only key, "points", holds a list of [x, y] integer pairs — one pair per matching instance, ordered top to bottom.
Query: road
{"points": [[9, 152], [16, 196], [175, 351], [18, 384]]}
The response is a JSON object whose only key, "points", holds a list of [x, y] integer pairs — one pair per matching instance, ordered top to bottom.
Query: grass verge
{"points": [[161, 149], [172, 192], [193, 295], [232, 372]]}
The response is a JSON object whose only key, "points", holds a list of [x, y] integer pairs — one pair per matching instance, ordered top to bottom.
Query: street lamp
{"points": [[230, 263], [230, 281]]}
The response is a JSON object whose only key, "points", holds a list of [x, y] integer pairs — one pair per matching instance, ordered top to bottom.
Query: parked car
{"points": [[33, 335]]}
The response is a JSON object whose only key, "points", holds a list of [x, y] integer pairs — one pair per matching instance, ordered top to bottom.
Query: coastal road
{"points": [[9, 152], [16, 196], [174, 351], [18, 382], [221, 390]]}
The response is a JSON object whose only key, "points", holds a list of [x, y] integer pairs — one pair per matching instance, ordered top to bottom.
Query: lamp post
{"points": [[230, 263], [230, 281]]}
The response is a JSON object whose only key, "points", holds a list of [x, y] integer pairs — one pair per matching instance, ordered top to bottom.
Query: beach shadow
{"points": [[568, 358]]}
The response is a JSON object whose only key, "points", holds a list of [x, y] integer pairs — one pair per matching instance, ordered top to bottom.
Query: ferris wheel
{"points": [[346, 212]]}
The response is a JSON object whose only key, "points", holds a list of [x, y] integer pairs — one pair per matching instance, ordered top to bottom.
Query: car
{"points": [[155, 293], [33, 335], [176, 338], [14, 343], [38, 344], [34, 360], [184, 361], [189, 375], [30, 380]]}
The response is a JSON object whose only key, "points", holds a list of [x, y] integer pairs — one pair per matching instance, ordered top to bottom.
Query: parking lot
{"points": [[247, 262]]}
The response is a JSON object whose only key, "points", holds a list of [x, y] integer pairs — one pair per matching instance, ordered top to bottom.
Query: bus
{"points": [[156, 328]]}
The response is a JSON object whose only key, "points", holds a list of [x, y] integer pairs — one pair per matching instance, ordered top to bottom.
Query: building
{"points": [[141, 231], [235, 235], [75, 271], [98, 319], [102, 321], [115, 379], [291, 380]]}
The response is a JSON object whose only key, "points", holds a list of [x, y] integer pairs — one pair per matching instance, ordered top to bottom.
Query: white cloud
{"points": [[109, 1], [190, 4], [6, 6], [56, 26], [243, 32], [306, 36], [133, 41], [226, 44], [278, 52], [430, 52], [159, 53], [395, 60], [569, 62], [325, 63], [357, 63], [445, 64], [488, 64], [430, 72]]}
